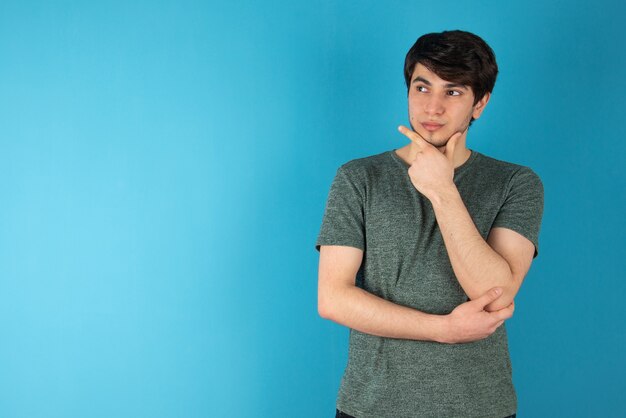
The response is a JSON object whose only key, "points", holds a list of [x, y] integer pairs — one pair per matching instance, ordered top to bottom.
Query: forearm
{"points": [[476, 265], [360, 310]]}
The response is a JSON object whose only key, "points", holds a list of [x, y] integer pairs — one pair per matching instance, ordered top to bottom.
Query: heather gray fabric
{"points": [[373, 206]]}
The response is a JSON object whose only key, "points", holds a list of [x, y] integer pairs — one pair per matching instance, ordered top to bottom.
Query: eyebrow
{"points": [[428, 83]]}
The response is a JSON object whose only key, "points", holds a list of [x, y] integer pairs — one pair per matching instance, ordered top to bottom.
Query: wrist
{"points": [[443, 196], [442, 329]]}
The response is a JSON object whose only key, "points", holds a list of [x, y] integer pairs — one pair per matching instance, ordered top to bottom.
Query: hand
{"points": [[432, 170], [470, 322]]}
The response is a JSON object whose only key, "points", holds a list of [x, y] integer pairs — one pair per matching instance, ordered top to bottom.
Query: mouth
{"points": [[431, 127]]}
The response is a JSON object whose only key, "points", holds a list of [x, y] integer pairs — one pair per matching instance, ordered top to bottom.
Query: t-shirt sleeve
{"points": [[522, 209], [343, 221]]}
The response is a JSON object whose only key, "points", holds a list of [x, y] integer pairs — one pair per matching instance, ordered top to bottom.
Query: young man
{"points": [[423, 249]]}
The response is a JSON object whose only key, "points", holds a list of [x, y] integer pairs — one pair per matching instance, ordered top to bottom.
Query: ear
{"points": [[480, 106]]}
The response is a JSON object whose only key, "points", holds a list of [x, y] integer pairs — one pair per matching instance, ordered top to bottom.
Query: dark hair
{"points": [[456, 56]]}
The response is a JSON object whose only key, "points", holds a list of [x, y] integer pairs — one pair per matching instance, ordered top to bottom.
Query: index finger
{"points": [[413, 136]]}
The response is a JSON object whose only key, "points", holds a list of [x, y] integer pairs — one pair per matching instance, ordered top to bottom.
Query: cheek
{"points": [[414, 106], [464, 114], [468, 118]]}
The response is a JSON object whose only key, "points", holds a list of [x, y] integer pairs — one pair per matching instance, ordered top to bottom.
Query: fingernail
{"points": [[498, 290]]}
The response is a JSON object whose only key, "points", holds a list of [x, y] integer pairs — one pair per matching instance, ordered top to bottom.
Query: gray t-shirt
{"points": [[373, 206]]}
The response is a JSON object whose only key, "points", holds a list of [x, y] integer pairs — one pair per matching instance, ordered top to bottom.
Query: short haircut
{"points": [[455, 56]]}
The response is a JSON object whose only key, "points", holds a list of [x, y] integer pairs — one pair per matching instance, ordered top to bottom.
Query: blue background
{"points": [[164, 168]]}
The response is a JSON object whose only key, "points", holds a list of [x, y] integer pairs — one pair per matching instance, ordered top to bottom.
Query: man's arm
{"points": [[503, 260], [341, 301]]}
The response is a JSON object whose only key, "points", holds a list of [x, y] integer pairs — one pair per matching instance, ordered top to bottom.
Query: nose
{"points": [[434, 105]]}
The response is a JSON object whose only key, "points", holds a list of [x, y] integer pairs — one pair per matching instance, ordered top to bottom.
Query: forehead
{"points": [[423, 72]]}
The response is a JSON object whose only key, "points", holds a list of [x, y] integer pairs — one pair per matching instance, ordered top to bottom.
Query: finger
{"points": [[413, 136], [490, 296]]}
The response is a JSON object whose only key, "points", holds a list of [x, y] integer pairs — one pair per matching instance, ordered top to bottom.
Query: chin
{"points": [[437, 141], [440, 144]]}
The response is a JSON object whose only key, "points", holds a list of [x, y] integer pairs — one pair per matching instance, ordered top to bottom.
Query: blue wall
{"points": [[164, 169]]}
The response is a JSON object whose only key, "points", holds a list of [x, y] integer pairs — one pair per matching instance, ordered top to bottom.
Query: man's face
{"points": [[438, 108]]}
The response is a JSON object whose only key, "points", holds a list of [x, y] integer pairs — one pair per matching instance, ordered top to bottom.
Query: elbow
{"points": [[507, 282], [509, 291], [504, 301], [329, 302], [324, 307], [322, 310], [327, 312]]}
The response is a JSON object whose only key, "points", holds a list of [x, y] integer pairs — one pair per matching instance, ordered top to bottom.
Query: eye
{"points": [[421, 89], [454, 93]]}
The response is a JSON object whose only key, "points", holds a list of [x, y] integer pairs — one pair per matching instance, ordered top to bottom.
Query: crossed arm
{"points": [[502, 260], [480, 266], [340, 300]]}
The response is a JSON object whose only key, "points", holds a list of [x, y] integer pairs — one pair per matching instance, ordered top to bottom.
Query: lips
{"points": [[431, 126]]}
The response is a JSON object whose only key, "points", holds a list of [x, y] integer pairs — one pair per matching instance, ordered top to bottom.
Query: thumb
{"points": [[451, 146], [493, 294]]}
